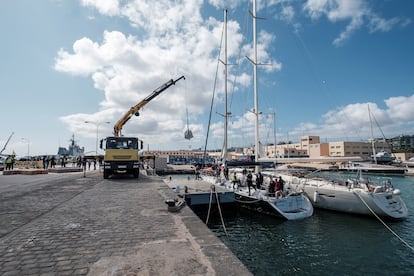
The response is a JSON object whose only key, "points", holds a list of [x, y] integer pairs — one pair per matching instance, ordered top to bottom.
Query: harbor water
{"points": [[328, 243]]}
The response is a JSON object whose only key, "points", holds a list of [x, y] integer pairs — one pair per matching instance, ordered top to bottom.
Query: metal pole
{"points": [[225, 91], [256, 97], [274, 131], [97, 132], [28, 146], [96, 147]]}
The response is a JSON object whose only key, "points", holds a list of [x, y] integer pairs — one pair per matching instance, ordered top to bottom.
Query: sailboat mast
{"points": [[225, 89], [256, 100], [374, 154]]}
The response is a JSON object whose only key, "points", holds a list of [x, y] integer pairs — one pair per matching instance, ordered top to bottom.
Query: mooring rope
{"points": [[209, 206], [219, 208], [221, 215], [386, 226]]}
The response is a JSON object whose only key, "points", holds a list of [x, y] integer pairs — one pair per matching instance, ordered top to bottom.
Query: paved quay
{"points": [[76, 224]]}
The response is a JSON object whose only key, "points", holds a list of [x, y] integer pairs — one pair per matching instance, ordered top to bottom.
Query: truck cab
{"points": [[121, 156]]}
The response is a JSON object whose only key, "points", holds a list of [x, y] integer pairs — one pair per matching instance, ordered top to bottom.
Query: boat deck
{"points": [[199, 192]]}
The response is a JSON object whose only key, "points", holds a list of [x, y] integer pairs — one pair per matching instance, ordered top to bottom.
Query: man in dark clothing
{"points": [[259, 180], [250, 181], [282, 184], [272, 187]]}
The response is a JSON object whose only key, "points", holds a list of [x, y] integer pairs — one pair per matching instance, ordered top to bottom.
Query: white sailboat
{"points": [[381, 157], [357, 195], [290, 206]]}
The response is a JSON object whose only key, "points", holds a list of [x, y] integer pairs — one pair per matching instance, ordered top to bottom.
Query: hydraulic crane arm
{"points": [[135, 109], [5, 145]]}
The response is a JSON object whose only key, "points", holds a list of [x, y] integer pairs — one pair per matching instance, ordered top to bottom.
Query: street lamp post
{"points": [[97, 131], [28, 146]]}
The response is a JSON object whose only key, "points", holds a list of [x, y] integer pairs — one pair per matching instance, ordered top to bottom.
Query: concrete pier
{"points": [[76, 224]]}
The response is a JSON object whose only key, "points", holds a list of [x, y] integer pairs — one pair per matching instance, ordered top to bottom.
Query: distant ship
{"points": [[73, 150]]}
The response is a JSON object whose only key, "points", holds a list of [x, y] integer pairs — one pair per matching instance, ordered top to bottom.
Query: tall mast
{"points": [[225, 89], [256, 100], [374, 154]]}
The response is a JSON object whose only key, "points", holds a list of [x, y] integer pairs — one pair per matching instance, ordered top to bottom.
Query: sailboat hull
{"points": [[326, 194], [293, 207]]}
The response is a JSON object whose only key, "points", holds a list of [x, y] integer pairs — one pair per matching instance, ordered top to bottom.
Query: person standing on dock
{"points": [[9, 163], [234, 180], [259, 180], [250, 181], [281, 184], [272, 186]]}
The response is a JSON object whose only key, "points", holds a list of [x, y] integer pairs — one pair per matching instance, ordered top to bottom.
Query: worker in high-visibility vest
{"points": [[9, 162]]}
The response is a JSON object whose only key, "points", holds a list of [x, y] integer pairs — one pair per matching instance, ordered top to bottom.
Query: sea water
{"points": [[328, 243]]}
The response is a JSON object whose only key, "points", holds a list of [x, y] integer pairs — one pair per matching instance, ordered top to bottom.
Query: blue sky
{"points": [[66, 62]]}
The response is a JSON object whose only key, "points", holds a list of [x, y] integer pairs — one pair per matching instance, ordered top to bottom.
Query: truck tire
{"points": [[136, 173], [105, 174]]}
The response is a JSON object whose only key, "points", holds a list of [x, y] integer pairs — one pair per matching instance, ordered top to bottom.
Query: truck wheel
{"points": [[136, 173], [105, 174]]}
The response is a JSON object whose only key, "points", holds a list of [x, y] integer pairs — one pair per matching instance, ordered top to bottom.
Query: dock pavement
{"points": [[80, 224]]}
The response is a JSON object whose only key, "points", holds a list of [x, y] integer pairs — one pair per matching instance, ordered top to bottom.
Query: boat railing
{"points": [[379, 186]]}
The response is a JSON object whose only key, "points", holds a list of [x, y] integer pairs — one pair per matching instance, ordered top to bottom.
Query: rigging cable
{"points": [[245, 25], [315, 74], [212, 99], [382, 133], [188, 134], [386, 226]]}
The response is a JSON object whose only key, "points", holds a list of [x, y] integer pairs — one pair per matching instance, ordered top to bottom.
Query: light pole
{"points": [[97, 131], [28, 146]]}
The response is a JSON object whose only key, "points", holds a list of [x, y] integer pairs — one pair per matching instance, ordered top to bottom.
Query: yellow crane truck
{"points": [[121, 152]]}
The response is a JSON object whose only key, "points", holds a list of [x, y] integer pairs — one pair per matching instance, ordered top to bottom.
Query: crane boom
{"points": [[135, 109], [5, 145]]}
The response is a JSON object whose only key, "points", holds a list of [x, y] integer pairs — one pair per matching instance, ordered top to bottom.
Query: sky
{"points": [[322, 66]]}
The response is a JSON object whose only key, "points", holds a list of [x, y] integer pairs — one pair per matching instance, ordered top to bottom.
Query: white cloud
{"points": [[229, 4], [106, 7], [357, 12], [288, 13], [355, 24], [380, 24], [174, 40], [401, 108], [354, 120]]}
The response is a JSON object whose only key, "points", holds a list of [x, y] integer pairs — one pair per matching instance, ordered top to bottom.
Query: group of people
{"points": [[80, 162], [248, 176], [276, 184], [276, 187]]}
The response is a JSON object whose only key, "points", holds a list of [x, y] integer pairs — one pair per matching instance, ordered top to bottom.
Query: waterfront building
{"points": [[403, 143], [308, 146], [182, 157]]}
